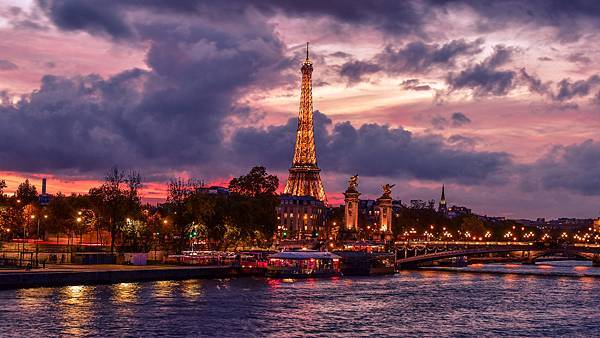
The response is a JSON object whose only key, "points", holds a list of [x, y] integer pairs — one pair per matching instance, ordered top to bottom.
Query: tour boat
{"points": [[303, 264]]}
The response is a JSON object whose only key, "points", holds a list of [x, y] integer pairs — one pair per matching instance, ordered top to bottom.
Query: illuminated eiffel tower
{"points": [[304, 179]]}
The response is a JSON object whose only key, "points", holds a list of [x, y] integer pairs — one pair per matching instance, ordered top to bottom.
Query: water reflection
{"points": [[192, 288], [163, 289], [125, 292], [412, 303], [74, 309]]}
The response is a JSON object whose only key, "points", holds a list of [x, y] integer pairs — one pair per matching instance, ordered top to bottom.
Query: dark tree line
{"points": [[244, 217]]}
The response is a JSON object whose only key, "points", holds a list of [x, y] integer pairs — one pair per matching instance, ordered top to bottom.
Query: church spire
{"points": [[443, 199], [442, 207]]}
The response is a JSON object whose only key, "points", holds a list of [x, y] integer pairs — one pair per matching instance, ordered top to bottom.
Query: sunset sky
{"points": [[499, 101]]}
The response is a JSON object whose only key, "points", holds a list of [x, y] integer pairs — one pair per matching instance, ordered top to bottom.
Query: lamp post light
{"points": [[37, 239]]}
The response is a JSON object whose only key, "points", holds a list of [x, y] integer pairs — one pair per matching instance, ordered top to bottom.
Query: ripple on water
{"points": [[412, 303]]}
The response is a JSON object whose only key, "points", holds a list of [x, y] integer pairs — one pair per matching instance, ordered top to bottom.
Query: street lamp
{"points": [[32, 217], [37, 239]]}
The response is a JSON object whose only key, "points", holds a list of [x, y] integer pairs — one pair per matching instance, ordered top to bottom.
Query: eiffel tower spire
{"points": [[304, 179]]}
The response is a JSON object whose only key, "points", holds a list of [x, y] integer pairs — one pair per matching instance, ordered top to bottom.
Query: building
{"points": [[214, 190], [302, 207], [456, 211], [368, 212], [301, 217], [567, 224], [596, 225]]}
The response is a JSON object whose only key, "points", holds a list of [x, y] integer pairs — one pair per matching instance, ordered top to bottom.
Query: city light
{"points": [[456, 139]]}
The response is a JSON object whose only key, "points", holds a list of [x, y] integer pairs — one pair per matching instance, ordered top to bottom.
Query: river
{"points": [[411, 303]]}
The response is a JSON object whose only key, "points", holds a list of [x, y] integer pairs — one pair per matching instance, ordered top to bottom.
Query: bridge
{"points": [[412, 254]]}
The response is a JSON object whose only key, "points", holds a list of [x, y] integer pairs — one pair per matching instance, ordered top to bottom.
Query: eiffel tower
{"points": [[304, 179]]}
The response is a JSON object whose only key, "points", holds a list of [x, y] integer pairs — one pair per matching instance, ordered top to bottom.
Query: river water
{"points": [[412, 303]]}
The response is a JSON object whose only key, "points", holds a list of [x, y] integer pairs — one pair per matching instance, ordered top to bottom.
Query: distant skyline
{"points": [[499, 101]]}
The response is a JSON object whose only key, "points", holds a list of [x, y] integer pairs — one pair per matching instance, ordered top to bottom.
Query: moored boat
{"points": [[254, 262], [360, 263], [303, 264]]}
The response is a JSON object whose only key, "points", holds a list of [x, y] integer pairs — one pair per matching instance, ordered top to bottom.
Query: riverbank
{"points": [[71, 274], [63, 275]]}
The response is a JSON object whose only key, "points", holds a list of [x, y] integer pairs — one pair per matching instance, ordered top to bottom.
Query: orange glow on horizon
{"points": [[151, 192]]}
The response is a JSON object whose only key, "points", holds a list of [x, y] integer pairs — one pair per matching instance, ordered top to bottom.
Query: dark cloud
{"points": [[94, 17], [109, 17], [396, 17], [570, 19], [341, 55], [414, 57], [419, 57], [544, 58], [579, 58], [7, 65], [354, 71], [485, 78], [534, 83], [414, 84], [564, 90], [567, 90], [5, 98], [170, 116], [459, 119], [439, 122], [372, 150], [573, 167]]}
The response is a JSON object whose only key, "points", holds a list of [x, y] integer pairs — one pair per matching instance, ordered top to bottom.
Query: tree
{"points": [[257, 182], [27, 193], [2, 197], [178, 198], [117, 199], [253, 205], [62, 215], [211, 215], [11, 220], [473, 225], [137, 236]]}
